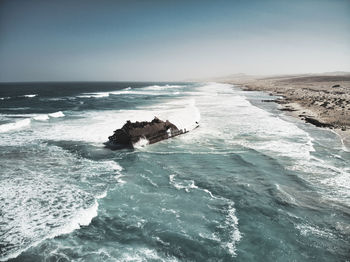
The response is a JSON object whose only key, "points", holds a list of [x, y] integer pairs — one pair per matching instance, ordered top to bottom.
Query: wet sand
{"points": [[321, 100]]}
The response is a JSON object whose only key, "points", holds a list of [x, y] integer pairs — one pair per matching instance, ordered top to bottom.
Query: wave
{"points": [[164, 87], [130, 91], [134, 92], [31, 95], [94, 95], [27, 96], [5, 98], [16, 108], [57, 114], [41, 117], [45, 117], [27, 121], [14, 126], [272, 135], [141, 143], [344, 147], [115, 166], [119, 179], [187, 185], [41, 205], [81, 218], [231, 222], [307, 230], [231, 233]]}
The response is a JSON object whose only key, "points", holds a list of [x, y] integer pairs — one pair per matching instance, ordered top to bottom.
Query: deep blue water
{"points": [[250, 184]]}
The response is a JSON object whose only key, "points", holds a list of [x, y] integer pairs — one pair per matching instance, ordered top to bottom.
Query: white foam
{"points": [[164, 87], [127, 91], [134, 92], [105, 94], [31, 95], [94, 95], [5, 98], [182, 113], [57, 114], [43, 117], [239, 118], [20, 124], [247, 125], [14, 126], [141, 143], [344, 147], [114, 165], [119, 178], [149, 180], [339, 181], [184, 184], [210, 193], [103, 195], [284, 195], [38, 204], [82, 218], [232, 224], [29, 230], [313, 230], [135, 254]]}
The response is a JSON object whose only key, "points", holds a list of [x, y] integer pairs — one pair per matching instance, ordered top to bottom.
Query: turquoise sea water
{"points": [[250, 184]]}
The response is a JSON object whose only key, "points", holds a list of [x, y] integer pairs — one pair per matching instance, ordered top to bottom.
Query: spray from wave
{"points": [[14, 126]]}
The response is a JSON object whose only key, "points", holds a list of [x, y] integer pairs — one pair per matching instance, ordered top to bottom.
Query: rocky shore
{"points": [[321, 100]]}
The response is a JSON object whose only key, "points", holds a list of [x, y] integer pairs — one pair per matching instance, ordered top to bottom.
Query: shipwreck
{"points": [[152, 132]]}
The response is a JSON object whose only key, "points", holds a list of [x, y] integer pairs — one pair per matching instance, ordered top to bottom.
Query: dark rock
{"points": [[335, 86], [268, 100], [281, 101], [288, 109], [317, 123], [153, 131]]}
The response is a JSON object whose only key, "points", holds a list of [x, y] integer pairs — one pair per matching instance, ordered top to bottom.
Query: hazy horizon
{"points": [[170, 41]]}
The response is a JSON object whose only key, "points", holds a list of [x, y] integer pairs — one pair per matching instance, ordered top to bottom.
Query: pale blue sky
{"points": [[106, 40]]}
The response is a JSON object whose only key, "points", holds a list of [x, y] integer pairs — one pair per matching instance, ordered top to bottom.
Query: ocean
{"points": [[250, 184]]}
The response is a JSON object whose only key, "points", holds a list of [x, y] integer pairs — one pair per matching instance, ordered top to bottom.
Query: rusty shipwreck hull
{"points": [[154, 131]]}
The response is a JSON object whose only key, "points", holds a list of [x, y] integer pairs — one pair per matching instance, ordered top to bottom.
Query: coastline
{"points": [[321, 100]]}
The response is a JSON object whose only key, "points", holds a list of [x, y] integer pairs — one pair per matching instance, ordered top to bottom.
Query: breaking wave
{"points": [[163, 87], [147, 91], [30, 95], [94, 95], [57, 114], [20, 124], [14, 126], [141, 143], [39, 202]]}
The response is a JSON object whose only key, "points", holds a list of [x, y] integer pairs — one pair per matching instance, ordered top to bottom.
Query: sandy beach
{"points": [[321, 100]]}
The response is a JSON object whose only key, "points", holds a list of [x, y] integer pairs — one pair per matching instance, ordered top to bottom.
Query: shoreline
{"points": [[323, 101]]}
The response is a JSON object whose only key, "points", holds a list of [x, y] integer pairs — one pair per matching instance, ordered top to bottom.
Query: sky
{"points": [[170, 40]]}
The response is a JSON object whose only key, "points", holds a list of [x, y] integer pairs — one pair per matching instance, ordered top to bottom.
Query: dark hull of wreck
{"points": [[154, 131], [157, 138], [151, 140]]}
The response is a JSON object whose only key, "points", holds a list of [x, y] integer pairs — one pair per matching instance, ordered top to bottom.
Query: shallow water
{"points": [[249, 184]]}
